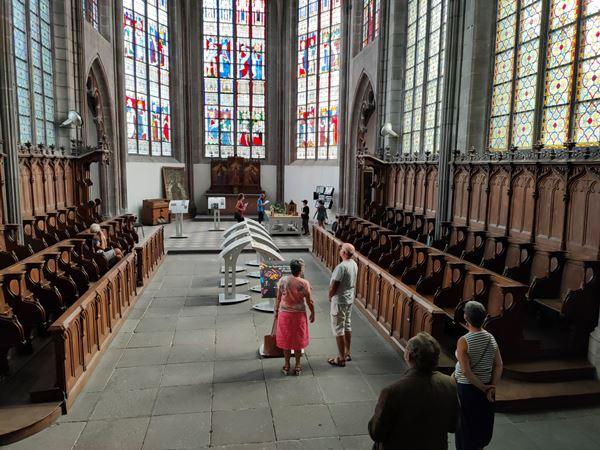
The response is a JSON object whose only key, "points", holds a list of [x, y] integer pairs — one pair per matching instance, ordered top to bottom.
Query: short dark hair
{"points": [[240, 196], [305, 201], [321, 202], [296, 266], [475, 313], [424, 352]]}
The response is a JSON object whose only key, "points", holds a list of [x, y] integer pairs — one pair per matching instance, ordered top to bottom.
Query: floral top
{"points": [[294, 291]]}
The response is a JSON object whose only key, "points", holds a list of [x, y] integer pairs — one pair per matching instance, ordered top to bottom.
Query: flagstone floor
{"points": [[183, 372]]}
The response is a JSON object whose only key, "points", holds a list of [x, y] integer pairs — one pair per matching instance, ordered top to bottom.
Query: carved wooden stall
{"points": [[533, 217]]}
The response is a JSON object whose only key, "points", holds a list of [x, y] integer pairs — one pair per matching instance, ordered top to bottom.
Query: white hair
{"points": [[95, 228]]}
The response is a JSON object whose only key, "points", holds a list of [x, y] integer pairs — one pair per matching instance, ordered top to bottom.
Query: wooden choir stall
{"points": [[522, 237], [61, 302]]}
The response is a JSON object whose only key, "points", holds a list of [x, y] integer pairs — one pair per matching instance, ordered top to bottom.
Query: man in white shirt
{"points": [[341, 297]]}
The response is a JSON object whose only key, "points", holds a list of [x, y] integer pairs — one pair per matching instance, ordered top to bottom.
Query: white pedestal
{"points": [[253, 263], [237, 269], [255, 274], [240, 282], [256, 288], [239, 298], [267, 306]]}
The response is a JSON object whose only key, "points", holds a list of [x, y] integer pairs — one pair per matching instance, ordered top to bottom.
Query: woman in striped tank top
{"points": [[478, 370]]}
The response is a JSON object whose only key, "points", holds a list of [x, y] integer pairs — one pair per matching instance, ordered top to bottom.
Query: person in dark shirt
{"points": [[305, 216], [419, 410]]}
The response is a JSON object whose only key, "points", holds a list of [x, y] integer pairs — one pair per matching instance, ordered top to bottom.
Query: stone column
{"points": [[8, 119]]}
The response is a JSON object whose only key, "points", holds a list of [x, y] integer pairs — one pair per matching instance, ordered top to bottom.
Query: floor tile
{"points": [[195, 322], [153, 324], [194, 337], [151, 339], [191, 353], [144, 356], [232, 371], [187, 373], [127, 378], [344, 389], [294, 391], [242, 395], [183, 399], [119, 404], [352, 418], [297, 422], [242, 427], [178, 431], [125, 434], [328, 443], [359, 443]]}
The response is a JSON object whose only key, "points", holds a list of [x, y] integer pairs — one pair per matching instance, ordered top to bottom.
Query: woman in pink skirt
{"points": [[293, 295]]}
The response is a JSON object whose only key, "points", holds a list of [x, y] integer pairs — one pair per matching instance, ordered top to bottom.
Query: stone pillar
{"points": [[8, 119], [594, 349]]}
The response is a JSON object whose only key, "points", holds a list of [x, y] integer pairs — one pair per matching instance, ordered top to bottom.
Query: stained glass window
{"points": [[90, 12], [371, 21], [32, 36], [319, 45], [234, 47], [424, 75], [569, 83], [147, 101]]}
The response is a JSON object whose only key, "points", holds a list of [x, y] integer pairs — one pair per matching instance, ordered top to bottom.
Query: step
{"points": [[550, 370], [515, 395], [20, 421]]}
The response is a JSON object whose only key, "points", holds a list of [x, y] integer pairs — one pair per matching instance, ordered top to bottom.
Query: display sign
{"points": [[216, 203], [179, 206], [270, 274]]}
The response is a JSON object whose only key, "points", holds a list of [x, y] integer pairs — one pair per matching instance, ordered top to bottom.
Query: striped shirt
{"points": [[482, 364]]}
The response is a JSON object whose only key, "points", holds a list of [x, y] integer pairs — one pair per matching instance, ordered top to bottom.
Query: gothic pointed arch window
{"points": [[371, 21], [33, 42], [234, 53], [147, 66], [546, 74], [318, 76], [424, 76]]}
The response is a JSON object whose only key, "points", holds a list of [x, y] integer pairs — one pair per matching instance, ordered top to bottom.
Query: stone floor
{"points": [[202, 238], [184, 373]]}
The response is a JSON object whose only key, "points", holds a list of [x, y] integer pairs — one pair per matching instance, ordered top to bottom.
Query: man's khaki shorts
{"points": [[340, 318]]}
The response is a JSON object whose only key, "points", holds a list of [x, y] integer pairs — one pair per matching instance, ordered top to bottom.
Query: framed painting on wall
{"points": [[175, 183]]}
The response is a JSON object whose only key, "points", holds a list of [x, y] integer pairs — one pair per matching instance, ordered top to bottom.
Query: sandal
{"points": [[348, 358], [336, 362], [285, 370], [297, 370]]}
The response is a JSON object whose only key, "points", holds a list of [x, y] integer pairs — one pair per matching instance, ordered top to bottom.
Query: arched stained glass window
{"points": [[91, 14], [371, 21], [32, 35], [146, 35], [319, 45], [234, 47], [564, 73], [424, 77]]}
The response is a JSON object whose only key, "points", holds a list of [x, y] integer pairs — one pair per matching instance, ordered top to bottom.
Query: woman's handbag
{"points": [[269, 347]]}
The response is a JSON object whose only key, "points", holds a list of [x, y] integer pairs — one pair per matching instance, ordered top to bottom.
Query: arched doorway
{"points": [[99, 134], [363, 141]]}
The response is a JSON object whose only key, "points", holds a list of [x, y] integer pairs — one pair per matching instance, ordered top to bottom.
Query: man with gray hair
{"points": [[341, 297], [418, 411]]}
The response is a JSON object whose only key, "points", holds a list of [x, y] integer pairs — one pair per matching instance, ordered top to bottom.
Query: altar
{"points": [[232, 176], [284, 224]]}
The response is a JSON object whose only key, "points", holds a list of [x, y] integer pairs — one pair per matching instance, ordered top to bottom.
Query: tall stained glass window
{"points": [[90, 12], [371, 21], [146, 34], [32, 35], [319, 45], [234, 46], [563, 73], [424, 77]]}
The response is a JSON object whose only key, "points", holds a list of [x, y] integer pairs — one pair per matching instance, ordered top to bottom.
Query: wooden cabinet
{"points": [[155, 212]]}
